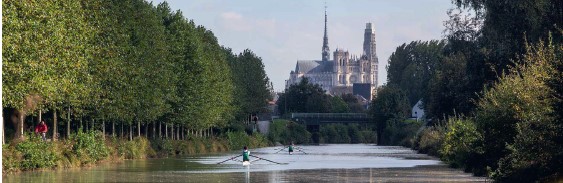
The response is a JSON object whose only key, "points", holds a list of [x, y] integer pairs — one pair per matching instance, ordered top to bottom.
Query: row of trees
{"points": [[128, 62], [500, 70], [306, 97]]}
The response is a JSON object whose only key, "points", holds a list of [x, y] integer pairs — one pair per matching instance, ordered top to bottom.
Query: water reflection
{"points": [[327, 163]]}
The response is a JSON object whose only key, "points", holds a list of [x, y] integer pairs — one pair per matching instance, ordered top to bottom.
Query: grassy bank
{"points": [[88, 149]]}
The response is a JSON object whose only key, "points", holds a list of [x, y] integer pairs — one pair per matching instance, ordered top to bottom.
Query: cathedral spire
{"points": [[326, 50]]}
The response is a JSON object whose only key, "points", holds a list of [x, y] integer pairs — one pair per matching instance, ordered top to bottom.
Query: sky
{"points": [[282, 32]]}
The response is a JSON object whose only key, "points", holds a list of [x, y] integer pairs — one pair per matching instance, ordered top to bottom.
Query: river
{"points": [[321, 163]]}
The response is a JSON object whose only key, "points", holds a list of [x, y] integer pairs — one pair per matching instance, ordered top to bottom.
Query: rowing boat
{"points": [[245, 163]]}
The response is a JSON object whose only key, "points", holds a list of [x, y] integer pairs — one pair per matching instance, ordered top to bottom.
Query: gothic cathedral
{"points": [[343, 74]]}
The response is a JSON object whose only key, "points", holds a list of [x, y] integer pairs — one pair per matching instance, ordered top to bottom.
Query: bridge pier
{"points": [[315, 133]]}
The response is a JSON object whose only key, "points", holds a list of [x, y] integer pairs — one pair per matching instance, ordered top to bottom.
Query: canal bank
{"points": [[91, 149], [324, 163]]}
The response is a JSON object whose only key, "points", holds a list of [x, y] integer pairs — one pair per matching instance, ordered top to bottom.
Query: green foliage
{"points": [[124, 61], [412, 66], [251, 91], [304, 97], [390, 103], [354, 105], [516, 114], [285, 132], [401, 132], [341, 133], [237, 140], [430, 140], [88, 146], [462, 146], [138, 148], [36, 154], [10, 158]]}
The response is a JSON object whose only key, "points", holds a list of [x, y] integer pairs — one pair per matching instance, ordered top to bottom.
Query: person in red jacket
{"points": [[41, 128]]}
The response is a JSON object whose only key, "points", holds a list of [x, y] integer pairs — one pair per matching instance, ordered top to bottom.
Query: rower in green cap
{"points": [[245, 155]]}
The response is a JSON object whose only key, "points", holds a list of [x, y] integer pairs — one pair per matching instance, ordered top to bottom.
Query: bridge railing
{"points": [[330, 115]]}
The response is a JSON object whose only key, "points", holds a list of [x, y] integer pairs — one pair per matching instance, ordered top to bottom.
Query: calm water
{"points": [[324, 163]]}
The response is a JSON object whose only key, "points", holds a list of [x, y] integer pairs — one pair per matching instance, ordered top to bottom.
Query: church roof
{"points": [[313, 66]]}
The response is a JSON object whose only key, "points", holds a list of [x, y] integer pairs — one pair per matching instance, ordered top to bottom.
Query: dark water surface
{"points": [[324, 163]]}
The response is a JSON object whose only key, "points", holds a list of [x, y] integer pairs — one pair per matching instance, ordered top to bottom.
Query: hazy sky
{"points": [[281, 32]]}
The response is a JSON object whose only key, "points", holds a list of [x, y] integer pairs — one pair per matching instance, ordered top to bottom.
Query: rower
{"points": [[290, 148], [245, 155]]}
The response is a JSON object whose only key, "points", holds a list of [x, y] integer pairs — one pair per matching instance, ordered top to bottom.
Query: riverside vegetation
{"points": [[121, 80], [492, 91], [86, 149]]}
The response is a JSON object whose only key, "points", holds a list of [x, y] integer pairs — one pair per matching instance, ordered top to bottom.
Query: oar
{"points": [[279, 150], [301, 151], [259, 158], [230, 159]]}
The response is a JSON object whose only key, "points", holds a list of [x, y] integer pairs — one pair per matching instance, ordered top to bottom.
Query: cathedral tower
{"points": [[369, 43], [326, 50]]}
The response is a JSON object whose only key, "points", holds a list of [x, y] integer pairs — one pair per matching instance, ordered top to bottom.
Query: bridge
{"points": [[316, 119], [313, 121]]}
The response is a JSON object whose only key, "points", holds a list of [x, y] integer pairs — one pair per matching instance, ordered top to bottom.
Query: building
{"points": [[338, 76], [417, 111]]}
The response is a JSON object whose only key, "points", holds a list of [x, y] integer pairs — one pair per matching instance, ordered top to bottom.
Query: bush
{"points": [[285, 132], [401, 132], [237, 140], [430, 140], [522, 141], [462, 146], [89, 147], [138, 148], [36, 153], [10, 158]]}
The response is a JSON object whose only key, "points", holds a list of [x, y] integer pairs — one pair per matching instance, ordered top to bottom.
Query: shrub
{"points": [[287, 131], [400, 132], [521, 138], [430, 140], [462, 146], [89, 147], [137, 148], [36, 153], [10, 158]]}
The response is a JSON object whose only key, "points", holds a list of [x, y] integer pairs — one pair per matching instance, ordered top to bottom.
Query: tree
{"points": [[412, 66], [31, 68], [251, 85], [303, 97], [390, 103], [354, 105], [515, 119]]}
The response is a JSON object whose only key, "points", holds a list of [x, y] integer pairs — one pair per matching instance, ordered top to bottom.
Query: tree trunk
{"points": [[22, 116], [39, 117], [68, 123], [55, 124], [80, 127], [104, 128], [113, 128], [138, 128], [160, 129], [166, 130], [122, 131], [147, 131], [153, 131], [130, 132], [172, 132]]}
